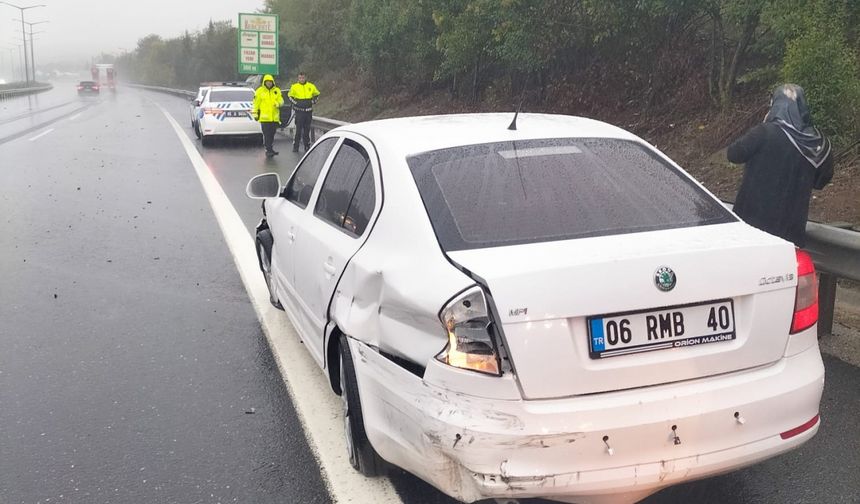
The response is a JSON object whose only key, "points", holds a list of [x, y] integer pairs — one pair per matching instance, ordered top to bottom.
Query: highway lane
{"points": [[24, 114], [128, 332], [133, 366]]}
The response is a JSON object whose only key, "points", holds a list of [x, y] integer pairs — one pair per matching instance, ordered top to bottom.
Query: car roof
{"points": [[413, 135]]}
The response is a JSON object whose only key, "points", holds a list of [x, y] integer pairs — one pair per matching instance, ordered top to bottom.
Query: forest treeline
{"points": [[629, 54]]}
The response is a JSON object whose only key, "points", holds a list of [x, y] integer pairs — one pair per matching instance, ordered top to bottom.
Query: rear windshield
{"points": [[87, 83], [233, 95], [510, 193]]}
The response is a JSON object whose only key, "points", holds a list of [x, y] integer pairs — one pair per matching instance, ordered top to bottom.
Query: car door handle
{"points": [[291, 236], [328, 266]]}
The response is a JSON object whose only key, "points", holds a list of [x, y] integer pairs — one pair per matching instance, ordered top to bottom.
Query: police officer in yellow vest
{"points": [[303, 95], [267, 103]]}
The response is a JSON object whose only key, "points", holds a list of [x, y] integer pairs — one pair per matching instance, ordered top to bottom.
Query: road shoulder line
{"points": [[315, 403]]}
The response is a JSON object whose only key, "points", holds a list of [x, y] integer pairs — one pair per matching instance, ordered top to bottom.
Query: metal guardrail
{"points": [[161, 89], [6, 94], [835, 251]]}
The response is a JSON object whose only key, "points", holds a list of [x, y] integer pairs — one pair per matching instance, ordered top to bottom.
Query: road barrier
{"points": [[6, 94], [835, 251]]}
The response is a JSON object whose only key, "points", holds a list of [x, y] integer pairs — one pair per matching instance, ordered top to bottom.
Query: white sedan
{"points": [[556, 310]]}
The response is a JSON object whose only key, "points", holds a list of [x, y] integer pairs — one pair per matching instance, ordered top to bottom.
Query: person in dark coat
{"points": [[786, 157]]}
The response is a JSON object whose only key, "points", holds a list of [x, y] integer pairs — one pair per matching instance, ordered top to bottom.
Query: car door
{"points": [[346, 205], [284, 213]]}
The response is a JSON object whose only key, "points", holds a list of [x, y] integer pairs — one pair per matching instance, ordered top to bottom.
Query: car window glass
{"points": [[233, 95], [340, 183], [301, 185], [509, 193], [362, 204]]}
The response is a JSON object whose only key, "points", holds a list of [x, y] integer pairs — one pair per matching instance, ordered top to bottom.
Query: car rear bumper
{"points": [[229, 126], [473, 448]]}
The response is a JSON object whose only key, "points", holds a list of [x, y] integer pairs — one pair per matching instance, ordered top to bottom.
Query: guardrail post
{"points": [[826, 303]]}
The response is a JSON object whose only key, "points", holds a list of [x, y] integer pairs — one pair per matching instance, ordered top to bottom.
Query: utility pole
{"points": [[24, 35]]}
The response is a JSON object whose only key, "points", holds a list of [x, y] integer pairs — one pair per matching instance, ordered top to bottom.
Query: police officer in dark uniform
{"points": [[303, 95]]}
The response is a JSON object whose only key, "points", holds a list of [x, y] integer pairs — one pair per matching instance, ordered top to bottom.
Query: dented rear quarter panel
{"points": [[393, 288]]}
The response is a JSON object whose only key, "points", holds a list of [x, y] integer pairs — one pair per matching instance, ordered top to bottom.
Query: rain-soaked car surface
{"points": [[555, 310]]}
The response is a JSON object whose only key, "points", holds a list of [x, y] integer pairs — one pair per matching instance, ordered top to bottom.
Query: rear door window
{"points": [[233, 95], [350, 175], [301, 185], [510, 193]]}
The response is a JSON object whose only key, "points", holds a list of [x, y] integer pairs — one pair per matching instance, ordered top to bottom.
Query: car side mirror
{"points": [[196, 103], [267, 185]]}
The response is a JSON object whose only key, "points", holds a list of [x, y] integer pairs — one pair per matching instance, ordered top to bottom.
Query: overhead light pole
{"points": [[24, 34], [32, 58]]}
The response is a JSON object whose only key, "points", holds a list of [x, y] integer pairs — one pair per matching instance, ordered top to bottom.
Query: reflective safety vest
{"points": [[303, 96], [267, 102]]}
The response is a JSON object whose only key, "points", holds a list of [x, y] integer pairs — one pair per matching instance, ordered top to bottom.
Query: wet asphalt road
{"points": [[133, 368]]}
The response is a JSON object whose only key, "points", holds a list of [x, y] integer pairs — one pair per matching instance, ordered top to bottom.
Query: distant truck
{"points": [[104, 74]]}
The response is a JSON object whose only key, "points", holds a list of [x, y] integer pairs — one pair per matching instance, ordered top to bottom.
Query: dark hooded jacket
{"points": [[786, 157]]}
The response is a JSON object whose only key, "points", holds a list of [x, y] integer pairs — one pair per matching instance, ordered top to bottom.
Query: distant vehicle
{"points": [[104, 74], [88, 87], [225, 110], [557, 311]]}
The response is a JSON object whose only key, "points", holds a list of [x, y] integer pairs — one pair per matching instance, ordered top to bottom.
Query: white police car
{"points": [[225, 110]]}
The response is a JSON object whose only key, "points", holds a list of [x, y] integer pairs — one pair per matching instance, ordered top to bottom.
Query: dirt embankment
{"points": [[685, 127]]}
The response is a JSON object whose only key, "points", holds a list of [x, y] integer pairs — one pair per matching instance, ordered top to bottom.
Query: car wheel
{"points": [[197, 130], [264, 248], [362, 456]]}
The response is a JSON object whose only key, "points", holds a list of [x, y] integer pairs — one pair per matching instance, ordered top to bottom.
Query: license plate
{"points": [[235, 113], [670, 327]]}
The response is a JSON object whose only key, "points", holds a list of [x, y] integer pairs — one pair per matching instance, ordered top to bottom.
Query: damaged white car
{"points": [[551, 310]]}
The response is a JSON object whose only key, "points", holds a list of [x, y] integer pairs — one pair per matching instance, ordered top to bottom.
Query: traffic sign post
{"points": [[258, 44]]}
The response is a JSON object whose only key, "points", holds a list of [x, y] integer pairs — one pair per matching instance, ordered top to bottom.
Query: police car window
{"points": [[232, 95], [301, 185], [336, 195]]}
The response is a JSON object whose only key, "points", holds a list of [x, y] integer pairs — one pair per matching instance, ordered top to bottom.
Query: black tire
{"points": [[197, 130], [264, 253], [362, 457]]}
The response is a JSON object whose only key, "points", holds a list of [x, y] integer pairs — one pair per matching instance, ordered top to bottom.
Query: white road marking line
{"points": [[74, 117], [40, 135], [319, 410]]}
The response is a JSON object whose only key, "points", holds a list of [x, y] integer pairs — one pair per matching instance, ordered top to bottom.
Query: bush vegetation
{"points": [[637, 55]]}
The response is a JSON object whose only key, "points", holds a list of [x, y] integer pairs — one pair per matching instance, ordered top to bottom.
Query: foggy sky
{"points": [[80, 29]]}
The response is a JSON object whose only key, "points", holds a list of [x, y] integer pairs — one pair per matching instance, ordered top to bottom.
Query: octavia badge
{"points": [[664, 278]]}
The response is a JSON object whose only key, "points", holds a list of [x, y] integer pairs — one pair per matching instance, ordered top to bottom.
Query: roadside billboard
{"points": [[258, 44]]}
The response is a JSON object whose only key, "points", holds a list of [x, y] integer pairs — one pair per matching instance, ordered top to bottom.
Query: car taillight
{"points": [[80, 87], [211, 111], [806, 296], [471, 344]]}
